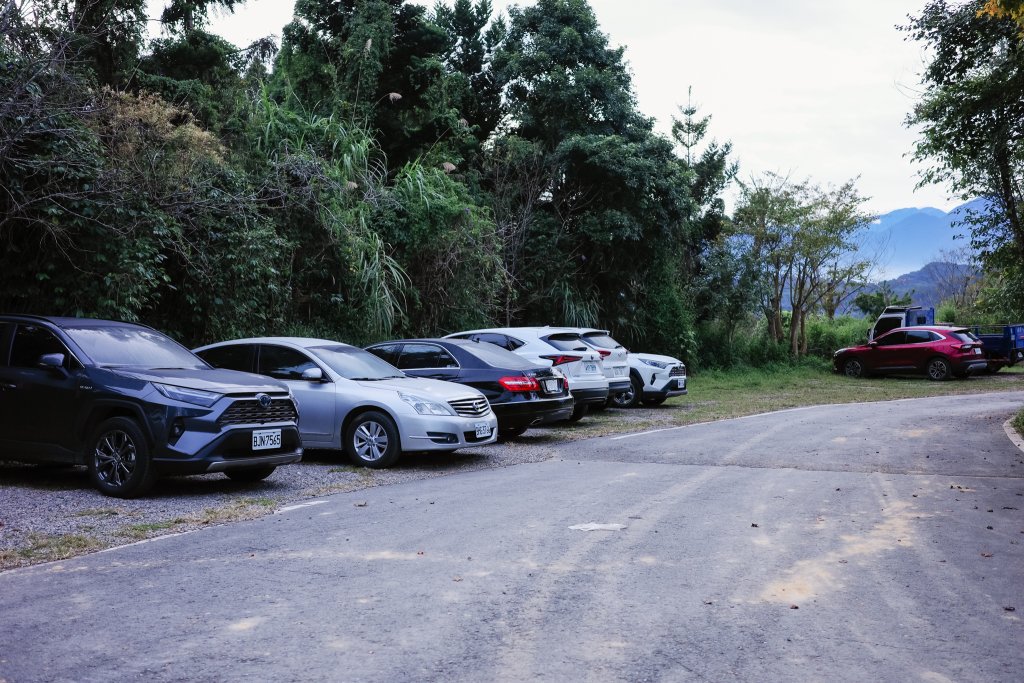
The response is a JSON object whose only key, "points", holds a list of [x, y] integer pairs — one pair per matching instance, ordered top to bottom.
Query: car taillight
{"points": [[966, 347], [604, 353], [561, 360], [519, 383]]}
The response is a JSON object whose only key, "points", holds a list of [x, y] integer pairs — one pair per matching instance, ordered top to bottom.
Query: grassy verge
{"points": [[1018, 423]]}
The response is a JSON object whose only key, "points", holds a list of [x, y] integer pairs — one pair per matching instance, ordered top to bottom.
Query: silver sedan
{"points": [[350, 399]]}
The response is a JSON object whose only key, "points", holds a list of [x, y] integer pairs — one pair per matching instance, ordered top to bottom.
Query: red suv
{"points": [[935, 350]]}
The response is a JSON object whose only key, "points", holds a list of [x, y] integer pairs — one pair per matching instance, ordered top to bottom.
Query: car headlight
{"points": [[655, 363], [194, 396], [425, 407]]}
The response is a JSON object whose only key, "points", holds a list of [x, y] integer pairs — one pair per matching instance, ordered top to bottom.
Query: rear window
{"points": [[965, 337], [601, 339], [566, 342], [498, 357]]}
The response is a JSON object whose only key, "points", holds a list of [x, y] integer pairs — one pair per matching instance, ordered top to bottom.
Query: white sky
{"points": [[809, 88]]}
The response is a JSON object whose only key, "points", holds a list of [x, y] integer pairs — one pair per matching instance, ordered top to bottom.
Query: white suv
{"points": [[554, 346], [614, 357], [654, 378]]}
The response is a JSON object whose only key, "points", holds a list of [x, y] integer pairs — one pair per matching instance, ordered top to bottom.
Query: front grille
{"points": [[677, 371], [471, 407], [249, 411]]}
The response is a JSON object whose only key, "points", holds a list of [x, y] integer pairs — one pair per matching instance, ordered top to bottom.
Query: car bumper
{"points": [[971, 367], [666, 386], [584, 395], [527, 413], [444, 433], [199, 452]]}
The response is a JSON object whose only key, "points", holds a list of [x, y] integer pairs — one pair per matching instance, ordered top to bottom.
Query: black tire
{"points": [[854, 367], [938, 369], [628, 398], [656, 401], [578, 411], [511, 432], [371, 440], [119, 459], [250, 473]]}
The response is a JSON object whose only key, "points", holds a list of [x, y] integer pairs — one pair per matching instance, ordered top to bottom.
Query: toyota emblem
{"points": [[264, 400]]}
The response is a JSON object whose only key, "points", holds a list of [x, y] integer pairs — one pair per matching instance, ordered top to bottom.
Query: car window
{"points": [[886, 324], [921, 336], [964, 336], [493, 338], [601, 339], [892, 339], [566, 341], [31, 342], [133, 347], [386, 352], [417, 356], [232, 357], [498, 357], [280, 362], [352, 362]]}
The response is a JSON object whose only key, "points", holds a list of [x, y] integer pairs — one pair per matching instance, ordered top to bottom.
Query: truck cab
{"points": [[901, 316]]}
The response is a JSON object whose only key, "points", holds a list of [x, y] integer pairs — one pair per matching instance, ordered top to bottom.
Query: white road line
{"points": [[289, 508]]}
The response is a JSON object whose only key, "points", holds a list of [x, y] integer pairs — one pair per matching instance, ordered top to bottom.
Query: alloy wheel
{"points": [[370, 441], [115, 457]]}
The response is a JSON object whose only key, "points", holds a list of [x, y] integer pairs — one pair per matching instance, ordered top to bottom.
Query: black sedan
{"points": [[521, 393]]}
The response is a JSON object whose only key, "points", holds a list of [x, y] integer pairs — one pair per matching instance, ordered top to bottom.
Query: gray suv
{"points": [[131, 404]]}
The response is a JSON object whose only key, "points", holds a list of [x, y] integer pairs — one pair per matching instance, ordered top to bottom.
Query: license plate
{"points": [[976, 352], [590, 368], [620, 372], [681, 384], [551, 386], [483, 430], [265, 439]]}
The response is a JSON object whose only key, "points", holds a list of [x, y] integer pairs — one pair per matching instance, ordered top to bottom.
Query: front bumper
{"points": [[665, 385], [443, 432], [199, 452]]}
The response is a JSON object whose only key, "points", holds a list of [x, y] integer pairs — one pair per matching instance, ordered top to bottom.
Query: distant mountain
{"points": [[905, 240], [929, 285]]}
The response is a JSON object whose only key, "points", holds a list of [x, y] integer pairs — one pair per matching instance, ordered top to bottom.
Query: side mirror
{"points": [[53, 362], [313, 374]]}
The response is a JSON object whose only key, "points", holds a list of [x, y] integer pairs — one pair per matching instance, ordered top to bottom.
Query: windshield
{"points": [[134, 347], [354, 363]]}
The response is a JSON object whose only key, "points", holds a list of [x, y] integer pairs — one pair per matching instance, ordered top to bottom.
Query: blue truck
{"points": [[1003, 344]]}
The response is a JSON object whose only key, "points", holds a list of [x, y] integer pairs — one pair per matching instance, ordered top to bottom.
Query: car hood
{"points": [[654, 356], [216, 380], [435, 389]]}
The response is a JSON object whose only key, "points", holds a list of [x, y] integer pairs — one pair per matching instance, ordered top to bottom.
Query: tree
{"points": [[1005, 9], [971, 116], [873, 303]]}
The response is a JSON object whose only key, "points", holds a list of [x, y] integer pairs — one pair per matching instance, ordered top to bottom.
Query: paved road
{"points": [[844, 543]]}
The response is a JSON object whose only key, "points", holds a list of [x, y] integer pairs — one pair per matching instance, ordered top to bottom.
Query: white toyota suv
{"points": [[554, 346], [614, 358]]}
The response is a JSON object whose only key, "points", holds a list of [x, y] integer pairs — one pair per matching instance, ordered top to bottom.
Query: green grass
{"points": [[1018, 423], [43, 548]]}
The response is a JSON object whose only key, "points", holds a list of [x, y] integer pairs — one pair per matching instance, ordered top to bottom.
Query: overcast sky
{"points": [[807, 88]]}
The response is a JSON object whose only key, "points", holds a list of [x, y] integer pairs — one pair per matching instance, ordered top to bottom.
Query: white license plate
{"points": [[976, 352], [590, 368], [620, 372], [681, 383], [551, 386], [483, 430], [265, 439]]}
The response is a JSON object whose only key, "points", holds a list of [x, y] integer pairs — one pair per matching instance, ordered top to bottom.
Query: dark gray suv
{"points": [[131, 404]]}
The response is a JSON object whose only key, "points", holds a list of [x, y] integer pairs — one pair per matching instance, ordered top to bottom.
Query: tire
{"points": [[854, 367], [938, 369], [628, 398], [657, 401], [578, 411], [511, 433], [371, 440], [119, 460], [250, 473]]}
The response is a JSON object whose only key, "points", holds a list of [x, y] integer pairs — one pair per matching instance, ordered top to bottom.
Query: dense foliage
{"points": [[394, 170]]}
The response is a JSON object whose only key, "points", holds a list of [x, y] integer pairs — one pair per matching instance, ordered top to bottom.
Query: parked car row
{"points": [[131, 404]]}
